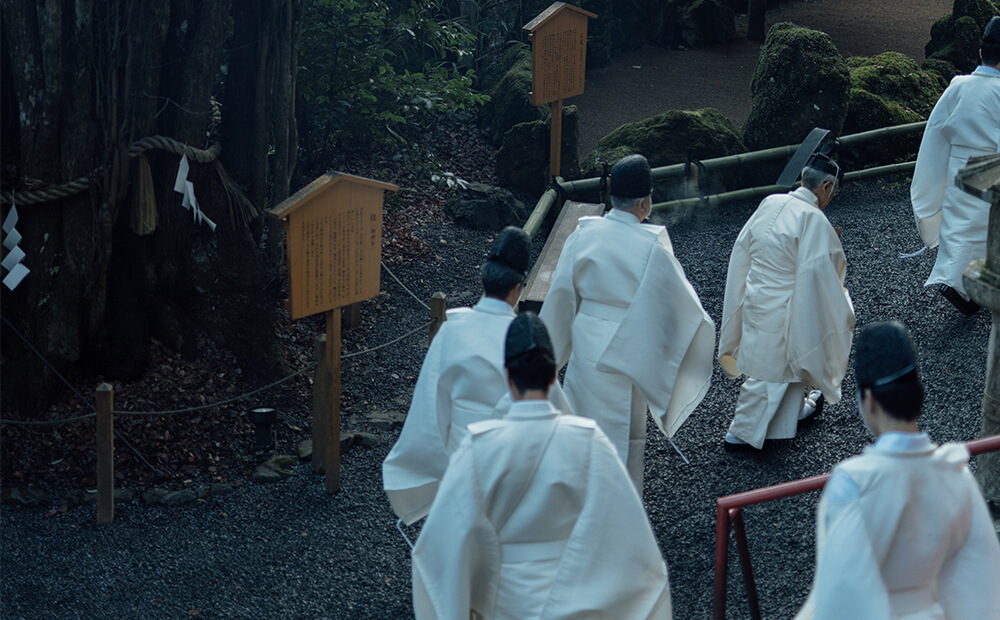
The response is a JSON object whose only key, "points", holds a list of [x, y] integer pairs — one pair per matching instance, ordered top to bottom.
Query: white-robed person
{"points": [[965, 122], [622, 313], [787, 320], [461, 381], [535, 516], [902, 529]]}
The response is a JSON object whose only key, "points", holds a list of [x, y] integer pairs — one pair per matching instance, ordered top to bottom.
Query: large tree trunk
{"points": [[86, 79], [260, 95]]}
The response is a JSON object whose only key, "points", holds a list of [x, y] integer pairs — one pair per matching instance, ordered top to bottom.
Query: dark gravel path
{"points": [[289, 550]]}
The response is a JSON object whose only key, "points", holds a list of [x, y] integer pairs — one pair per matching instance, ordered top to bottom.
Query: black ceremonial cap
{"points": [[991, 36], [631, 178], [512, 249], [527, 335], [884, 353]]}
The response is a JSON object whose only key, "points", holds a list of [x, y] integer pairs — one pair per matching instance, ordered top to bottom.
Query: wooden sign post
{"points": [[558, 63], [333, 230]]}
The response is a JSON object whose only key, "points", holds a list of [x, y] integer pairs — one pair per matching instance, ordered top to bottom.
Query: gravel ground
{"points": [[289, 550]]}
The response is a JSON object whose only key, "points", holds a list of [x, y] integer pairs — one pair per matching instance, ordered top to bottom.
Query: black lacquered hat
{"points": [[631, 178]]}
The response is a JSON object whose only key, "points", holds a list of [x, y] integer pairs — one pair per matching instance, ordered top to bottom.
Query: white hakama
{"points": [[965, 123], [622, 313], [787, 318], [461, 381], [529, 526], [903, 532]]}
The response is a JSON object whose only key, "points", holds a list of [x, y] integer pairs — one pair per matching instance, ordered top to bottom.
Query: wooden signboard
{"points": [[558, 52], [558, 64], [333, 231], [334, 235]]}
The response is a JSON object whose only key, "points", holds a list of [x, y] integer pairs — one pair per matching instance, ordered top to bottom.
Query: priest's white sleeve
{"points": [[930, 176], [457, 556]]}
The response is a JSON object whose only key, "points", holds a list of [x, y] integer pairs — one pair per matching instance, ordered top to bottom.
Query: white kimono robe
{"points": [[965, 122], [622, 313], [787, 317], [461, 381], [536, 519], [903, 532]]}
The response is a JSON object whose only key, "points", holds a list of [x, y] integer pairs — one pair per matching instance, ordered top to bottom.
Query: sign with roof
{"points": [[559, 52], [334, 235]]}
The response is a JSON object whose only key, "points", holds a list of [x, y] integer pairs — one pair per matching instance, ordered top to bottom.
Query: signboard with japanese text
{"points": [[559, 52], [334, 236]]}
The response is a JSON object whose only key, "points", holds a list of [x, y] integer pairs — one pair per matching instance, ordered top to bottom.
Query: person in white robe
{"points": [[965, 123], [623, 315], [787, 320], [461, 381], [535, 516], [903, 530]]}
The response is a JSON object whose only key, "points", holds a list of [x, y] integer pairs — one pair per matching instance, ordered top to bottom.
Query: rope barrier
{"points": [[156, 142], [55, 192], [399, 282], [391, 342], [47, 363], [221, 402], [196, 407], [49, 422]]}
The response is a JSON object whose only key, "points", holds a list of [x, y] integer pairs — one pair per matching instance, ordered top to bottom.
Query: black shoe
{"points": [[965, 306]]}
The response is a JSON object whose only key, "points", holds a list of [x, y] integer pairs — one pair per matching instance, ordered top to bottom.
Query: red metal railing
{"points": [[729, 511]]}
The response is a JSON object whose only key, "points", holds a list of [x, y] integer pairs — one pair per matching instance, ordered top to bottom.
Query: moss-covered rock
{"points": [[955, 37], [941, 69], [491, 75], [895, 78], [801, 81], [887, 89], [510, 101], [869, 111], [669, 138], [523, 160]]}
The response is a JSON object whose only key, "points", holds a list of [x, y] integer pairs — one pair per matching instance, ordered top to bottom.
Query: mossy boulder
{"points": [[955, 37], [941, 69], [491, 74], [896, 78], [801, 81], [887, 89], [510, 100], [869, 111], [669, 138], [523, 160], [485, 207]]}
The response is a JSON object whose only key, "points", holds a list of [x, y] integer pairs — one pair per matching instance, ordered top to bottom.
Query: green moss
{"points": [[955, 38], [942, 70], [896, 79], [801, 81], [510, 102], [668, 138]]}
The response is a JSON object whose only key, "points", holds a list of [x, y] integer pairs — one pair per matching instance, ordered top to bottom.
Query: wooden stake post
{"points": [[558, 61], [334, 235], [439, 306], [105, 455]]}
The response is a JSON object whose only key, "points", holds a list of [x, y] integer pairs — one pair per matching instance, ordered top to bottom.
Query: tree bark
{"points": [[86, 79]]}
